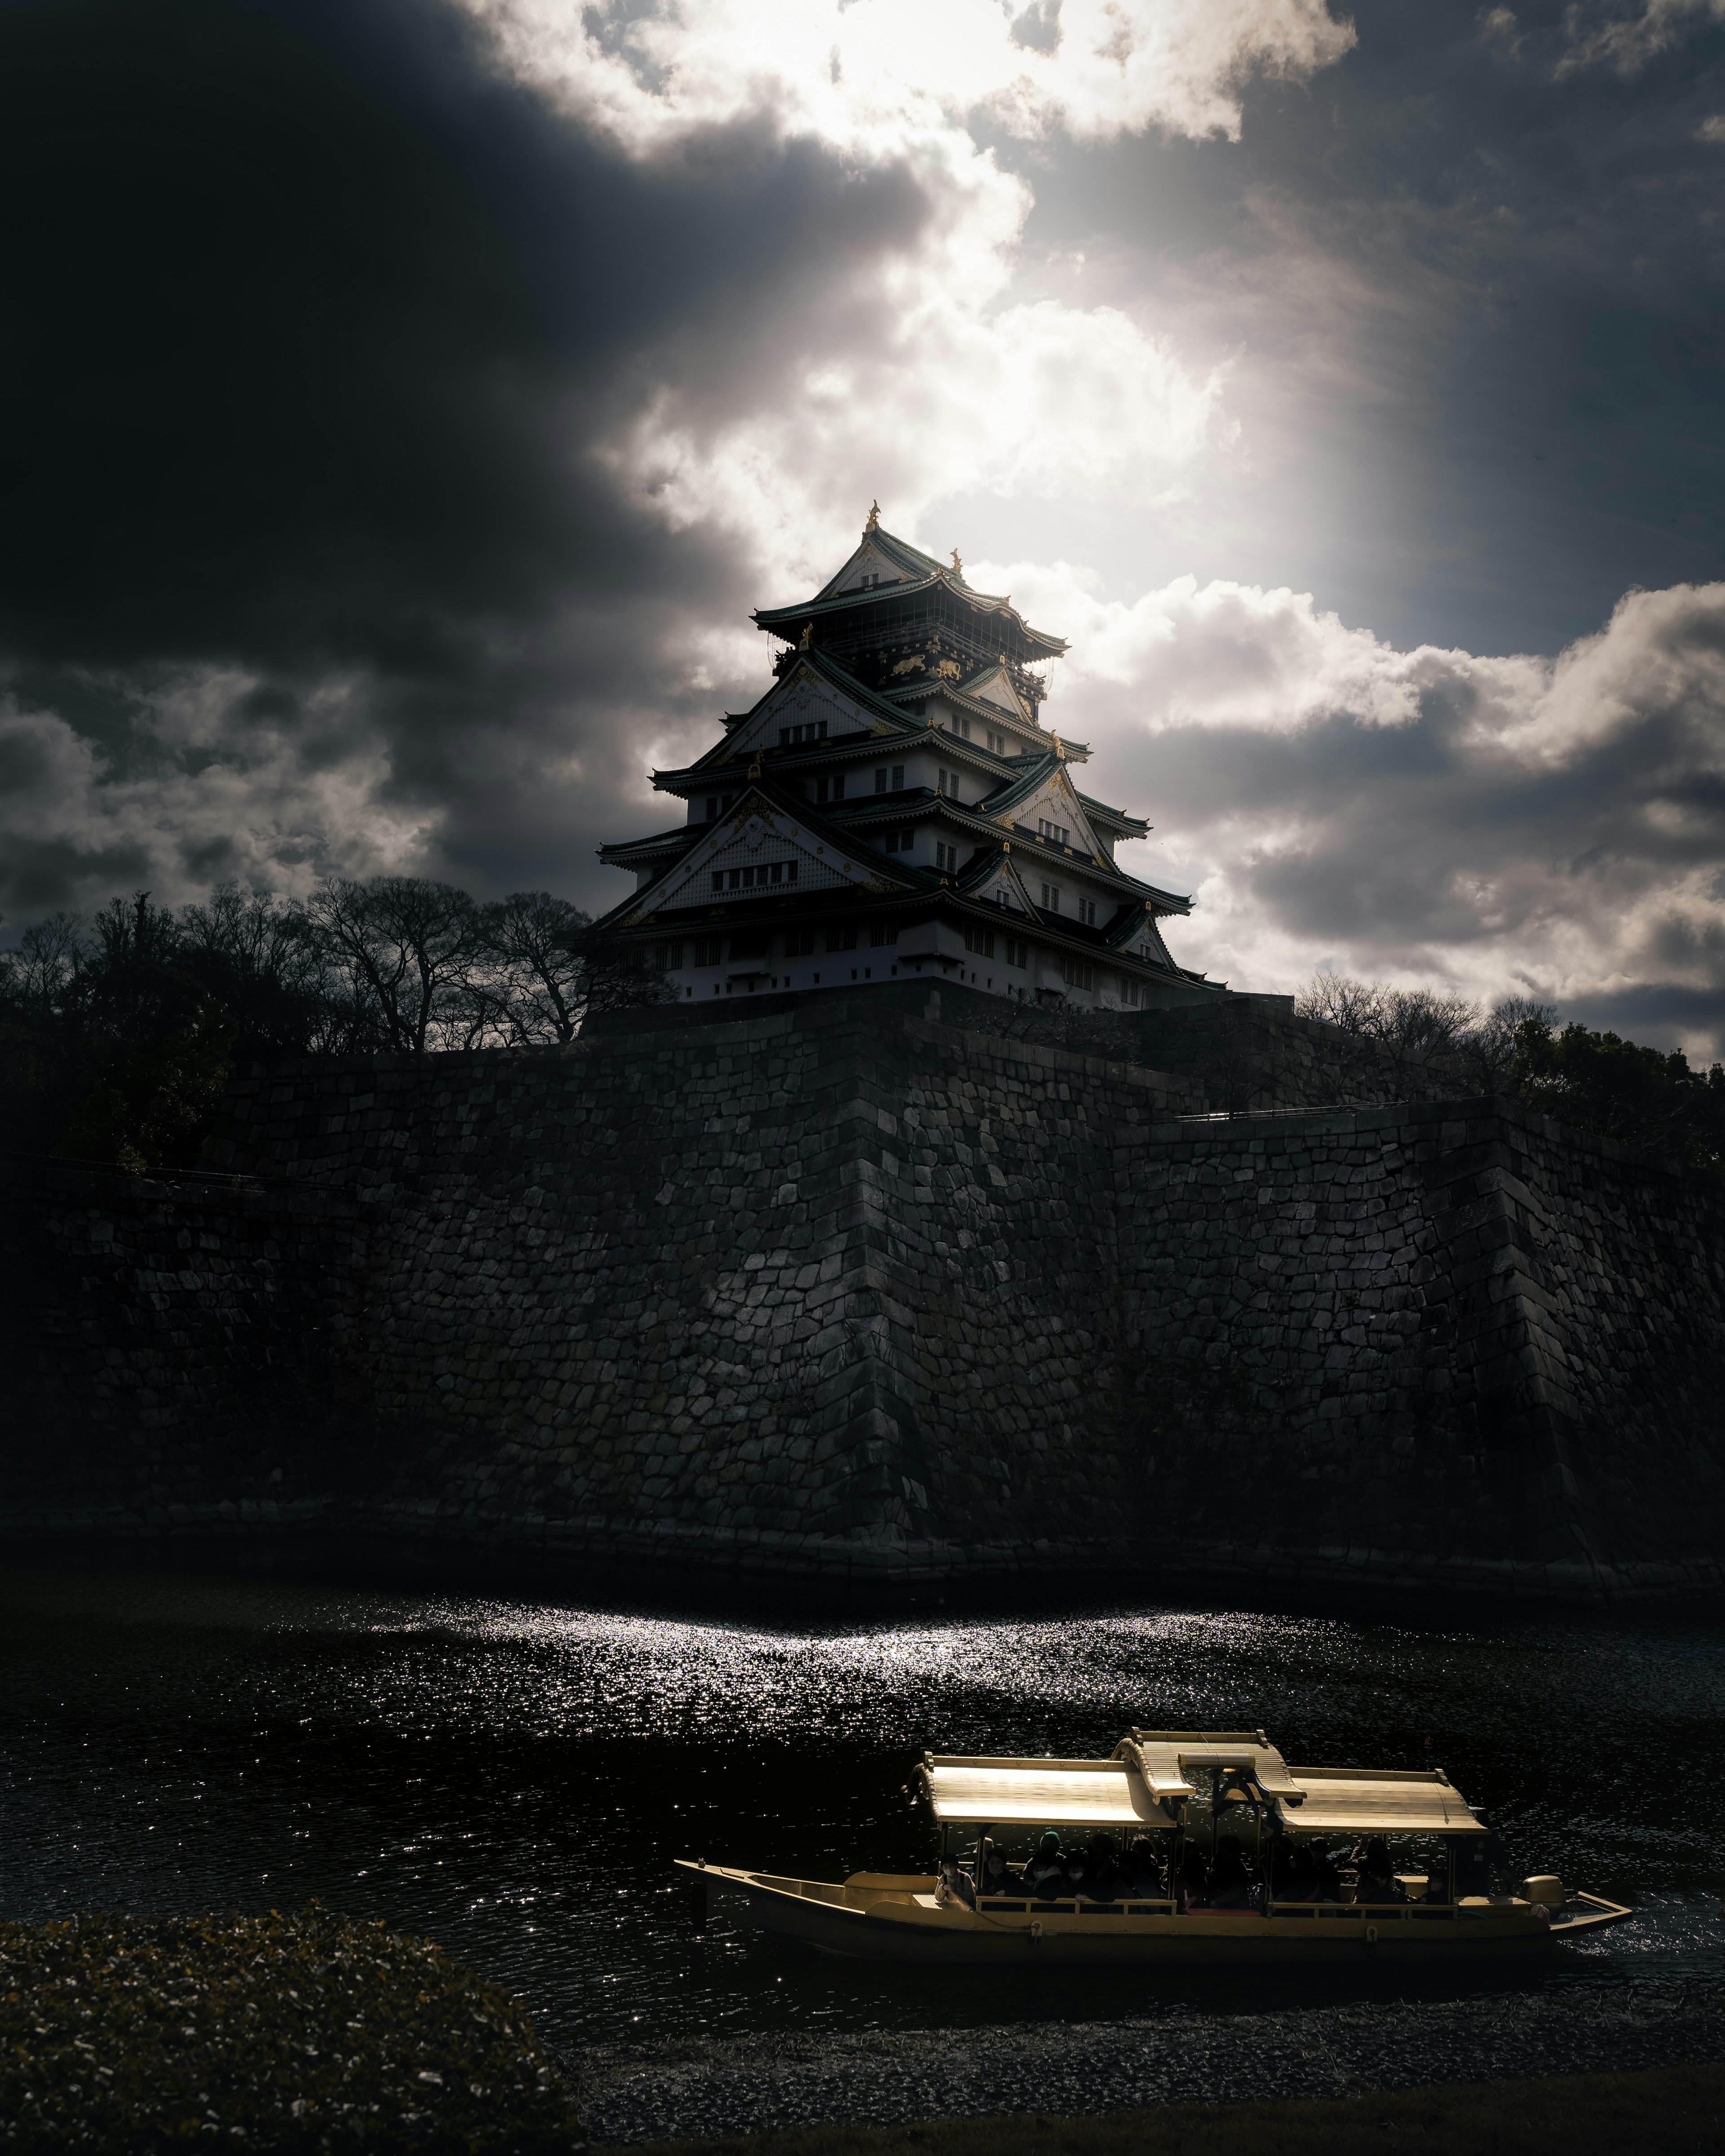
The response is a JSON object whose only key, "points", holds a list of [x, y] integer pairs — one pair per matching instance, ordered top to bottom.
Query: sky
{"points": [[405, 403]]}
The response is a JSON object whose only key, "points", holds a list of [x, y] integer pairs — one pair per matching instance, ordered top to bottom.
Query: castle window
{"points": [[965, 728], [815, 730], [998, 743], [898, 777], [880, 780], [947, 782], [831, 789], [712, 807], [1056, 834], [901, 842], [945, 856], [752, 878], [1050, 898], [1087, 911], [880, 932], [841, 939], [981, 940], [798, 942], [708, 952], [1017, 954], [665, 958], [1077, 975], [1131, 993]]}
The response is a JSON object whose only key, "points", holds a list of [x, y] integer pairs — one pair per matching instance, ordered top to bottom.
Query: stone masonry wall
{"points": [[837, 1288]]}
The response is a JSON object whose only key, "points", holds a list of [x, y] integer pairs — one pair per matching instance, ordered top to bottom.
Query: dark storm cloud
{"points": [[311, 325]]}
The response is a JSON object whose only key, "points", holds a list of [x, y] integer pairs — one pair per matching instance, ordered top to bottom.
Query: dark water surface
{"points": [[513, 1780]]}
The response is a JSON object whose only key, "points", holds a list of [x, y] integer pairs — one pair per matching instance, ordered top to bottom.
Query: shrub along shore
{"points": [[306, 2032]]}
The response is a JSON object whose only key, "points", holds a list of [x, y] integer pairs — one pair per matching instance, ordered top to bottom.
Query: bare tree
{"points": [[408, 948], [36, 978], [538, 984], [1404, 1019]]}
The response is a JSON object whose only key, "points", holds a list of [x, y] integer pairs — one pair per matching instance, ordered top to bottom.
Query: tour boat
{"points": [[1184, 1787]]}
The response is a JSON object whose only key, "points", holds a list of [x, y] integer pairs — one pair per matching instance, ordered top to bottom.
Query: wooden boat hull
{"points": [[877, 1917]]}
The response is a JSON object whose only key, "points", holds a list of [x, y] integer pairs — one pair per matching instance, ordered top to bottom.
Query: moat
{"points": [[513, 1778]]}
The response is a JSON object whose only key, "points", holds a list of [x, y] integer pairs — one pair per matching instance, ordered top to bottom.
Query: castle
{"points": [[893, 808], [855, 1263]]}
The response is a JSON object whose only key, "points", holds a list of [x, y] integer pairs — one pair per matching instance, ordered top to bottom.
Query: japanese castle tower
{"points": [[893, 808]]}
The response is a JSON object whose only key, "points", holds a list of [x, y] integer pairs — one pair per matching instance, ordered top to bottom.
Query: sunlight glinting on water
{"points": [[515, 1778]]}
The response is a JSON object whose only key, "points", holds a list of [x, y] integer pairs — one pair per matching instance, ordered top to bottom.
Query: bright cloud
{"points": [[856, 72], [1528, 824]]}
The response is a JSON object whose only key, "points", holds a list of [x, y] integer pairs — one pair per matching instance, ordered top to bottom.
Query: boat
{"points": [[1186, 1790]]}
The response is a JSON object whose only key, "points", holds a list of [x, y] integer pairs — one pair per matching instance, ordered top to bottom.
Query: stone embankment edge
{"points": [[310, 1533]]}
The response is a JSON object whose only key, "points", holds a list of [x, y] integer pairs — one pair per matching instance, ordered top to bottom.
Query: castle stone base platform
{"points": [[868, 1289]]}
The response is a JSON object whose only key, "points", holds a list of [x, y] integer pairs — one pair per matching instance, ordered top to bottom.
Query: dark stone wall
{"points": [[843, 1288]]}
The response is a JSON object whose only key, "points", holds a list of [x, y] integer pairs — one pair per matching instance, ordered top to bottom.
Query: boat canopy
{"points": [[1162, 1757], [1145, 1782], [1093, 1792], [1372, 1800]]}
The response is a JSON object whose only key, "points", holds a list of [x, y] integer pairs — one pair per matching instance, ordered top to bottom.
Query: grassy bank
{"points": [[300, 2033], [1680, 2108]]}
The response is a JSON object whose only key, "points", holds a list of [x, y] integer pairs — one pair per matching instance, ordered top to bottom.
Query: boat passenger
{"points": [[1046, 1865], [1473, 1872], [1295, 1875], [1143, 1876], [996, 1879], [1325, 1880], [1377, 1882], [1107, 1883], [1079, 1884], [955, 1885], [1230, 1887], [1194, 1888]]}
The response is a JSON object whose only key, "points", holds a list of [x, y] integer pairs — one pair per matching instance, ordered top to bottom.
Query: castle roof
{"points": [[914, 574]]}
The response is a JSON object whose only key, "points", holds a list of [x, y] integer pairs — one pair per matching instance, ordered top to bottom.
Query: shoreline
{"points": [[406, 1543]]}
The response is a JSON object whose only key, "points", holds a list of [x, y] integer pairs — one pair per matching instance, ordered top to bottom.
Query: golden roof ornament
{"points": [[874, 521], [957, 566], [808, 637], [1060, 746], [755, 766]]}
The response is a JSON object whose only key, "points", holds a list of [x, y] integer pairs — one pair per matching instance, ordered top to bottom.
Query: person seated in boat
{"points": [[1045, 1874], [1141, 1874], [1296, 1875], [996, 1879], [1376, 1879], [1325, 1880], [1080, 1881], [1107, 1882], [1231, 1884], [955, 1885], [1194, 1887]]}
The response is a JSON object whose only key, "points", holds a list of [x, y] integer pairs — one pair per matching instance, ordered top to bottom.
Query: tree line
{"points": [[119, 1030], [1592, 1081]]}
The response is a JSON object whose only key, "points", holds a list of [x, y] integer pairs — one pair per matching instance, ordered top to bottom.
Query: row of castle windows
{"points": [[749, 879], [799, 943]]}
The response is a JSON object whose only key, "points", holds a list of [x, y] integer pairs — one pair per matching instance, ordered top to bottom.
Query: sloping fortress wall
{"points": [[847, 1288]]}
